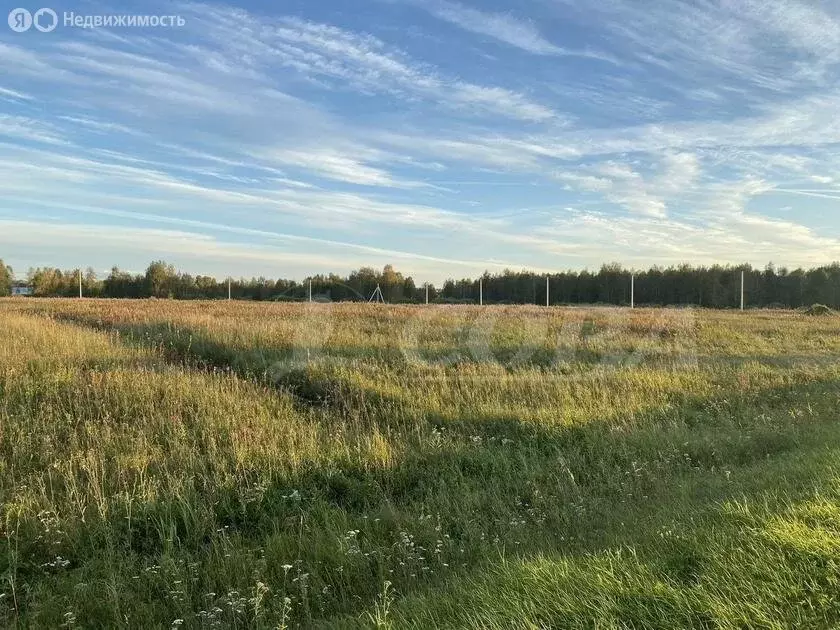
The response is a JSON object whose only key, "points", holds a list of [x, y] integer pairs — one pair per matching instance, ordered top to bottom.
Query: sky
{"points": [[284, 139]]}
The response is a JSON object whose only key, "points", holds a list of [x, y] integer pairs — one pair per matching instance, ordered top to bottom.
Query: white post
{"points": [[80, 282], [228, 289], [310, 289], [546, 290], [632, 290], [742, 290], [481, 291], [427, 293]]}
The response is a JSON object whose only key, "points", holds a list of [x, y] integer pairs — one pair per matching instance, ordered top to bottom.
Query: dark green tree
{"points": [[6, 277], [160, 279]]}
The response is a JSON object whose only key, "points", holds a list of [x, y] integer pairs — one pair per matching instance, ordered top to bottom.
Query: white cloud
{"points": [[502, 27], [505, 28], [361, 61], [14, 94], [24, 128], [351, 166], [680, 171], [645, 195], [722, 233]]}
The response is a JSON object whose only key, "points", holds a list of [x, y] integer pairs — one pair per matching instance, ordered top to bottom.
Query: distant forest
{"points": [[716, 286]]}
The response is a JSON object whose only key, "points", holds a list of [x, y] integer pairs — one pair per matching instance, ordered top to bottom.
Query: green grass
{"points": [[243, 465]]}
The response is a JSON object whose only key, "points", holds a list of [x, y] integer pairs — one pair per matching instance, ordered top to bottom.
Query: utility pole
{"points": [[80, 282], [228, 289], [310, 289], [742, 289], [546, 290], [632, 290], [481, 291], [427, 293], [377, 296]]}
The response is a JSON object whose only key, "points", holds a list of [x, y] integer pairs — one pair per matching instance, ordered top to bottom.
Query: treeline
{"points": [[162, 280], [716, 286]]}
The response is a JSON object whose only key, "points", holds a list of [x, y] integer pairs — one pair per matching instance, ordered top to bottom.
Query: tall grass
{"points": [[248, 465]]}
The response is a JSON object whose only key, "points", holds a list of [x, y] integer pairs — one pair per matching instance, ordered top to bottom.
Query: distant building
{"points": [[21, 290]]}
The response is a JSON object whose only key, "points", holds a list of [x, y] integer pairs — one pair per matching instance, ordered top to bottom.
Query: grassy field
{"points": [[251, 465]]}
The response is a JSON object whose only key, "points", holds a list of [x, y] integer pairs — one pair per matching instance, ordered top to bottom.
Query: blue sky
{"points": [[298, 137]]}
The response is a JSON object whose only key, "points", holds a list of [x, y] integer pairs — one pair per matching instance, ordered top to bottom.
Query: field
{"points": [[253, 465]]}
